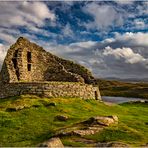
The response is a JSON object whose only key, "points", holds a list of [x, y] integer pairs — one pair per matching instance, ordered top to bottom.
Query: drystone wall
{"points": [[25, 61], [50, 89]]}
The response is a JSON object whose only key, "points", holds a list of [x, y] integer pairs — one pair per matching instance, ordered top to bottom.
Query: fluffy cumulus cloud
{"points": [[24, 13], [29, 15], [104, 16], [139, 39], [2, 53], [124, 56]]}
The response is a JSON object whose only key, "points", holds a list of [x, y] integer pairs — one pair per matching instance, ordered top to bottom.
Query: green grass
{"points": [[123, 89], [35, 122]]}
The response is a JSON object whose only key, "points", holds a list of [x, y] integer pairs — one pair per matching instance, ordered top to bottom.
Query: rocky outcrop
{"points": [[61, 118], [102, 120], [89, 127], [51, 143], [111, 144]]}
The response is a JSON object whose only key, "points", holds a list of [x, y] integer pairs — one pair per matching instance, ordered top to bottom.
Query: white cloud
{"points": [[124, 2], [38, 9], [28, 14], [104, 16], [139, 23], [67, 31], [7, 38], [129, 38], [88, 44], [2, 53], [126, 53]]}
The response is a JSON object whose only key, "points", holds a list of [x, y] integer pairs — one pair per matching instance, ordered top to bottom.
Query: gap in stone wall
{"points": [[29, 59], [14, 60], [15, 64], [29, 67], [96, 95]]}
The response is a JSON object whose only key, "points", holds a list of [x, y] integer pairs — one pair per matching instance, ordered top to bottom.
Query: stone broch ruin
{"points": [[29, 69]]}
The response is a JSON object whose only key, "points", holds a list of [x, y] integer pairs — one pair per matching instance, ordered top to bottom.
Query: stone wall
{"points": [[25, 61], [50, 89]]}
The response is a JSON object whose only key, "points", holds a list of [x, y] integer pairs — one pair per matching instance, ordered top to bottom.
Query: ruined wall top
{"points": [[27, 62]]}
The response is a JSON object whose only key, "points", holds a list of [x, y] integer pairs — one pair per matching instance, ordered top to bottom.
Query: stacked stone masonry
{"points": [[29, 69], [50, 89]]}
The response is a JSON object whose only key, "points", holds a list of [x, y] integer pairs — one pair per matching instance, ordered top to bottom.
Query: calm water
{"points": [[119, 99]]}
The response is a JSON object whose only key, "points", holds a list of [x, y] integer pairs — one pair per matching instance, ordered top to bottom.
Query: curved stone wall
{"points": [[50, 89]]}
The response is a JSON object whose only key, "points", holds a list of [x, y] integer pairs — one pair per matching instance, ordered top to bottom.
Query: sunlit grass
{"points": [[35, 122]]}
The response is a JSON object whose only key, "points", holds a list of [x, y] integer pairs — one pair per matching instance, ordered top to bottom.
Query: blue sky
{"points": [[108, 37]]}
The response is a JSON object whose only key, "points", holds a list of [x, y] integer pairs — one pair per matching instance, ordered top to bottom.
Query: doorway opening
{"points": [[29, 60], [29, 67], [96, 95]]}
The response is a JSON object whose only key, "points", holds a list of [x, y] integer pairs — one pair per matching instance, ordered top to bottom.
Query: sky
{"points": [[108, 37]]}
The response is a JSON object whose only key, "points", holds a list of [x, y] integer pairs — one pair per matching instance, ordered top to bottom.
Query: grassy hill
{"points": [[123, 89], [30, 120]]}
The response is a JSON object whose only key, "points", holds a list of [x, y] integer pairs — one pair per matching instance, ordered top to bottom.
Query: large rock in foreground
{"points": [[102, 120], [89, 127], [53, 142]]}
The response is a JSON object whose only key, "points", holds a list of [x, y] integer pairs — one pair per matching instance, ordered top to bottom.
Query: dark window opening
{"points": [[15, 54], [29, 57], [14, 63], [29, 67], [17, 74], [96, 95]]}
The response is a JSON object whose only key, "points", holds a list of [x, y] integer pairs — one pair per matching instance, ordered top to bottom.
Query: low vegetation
{"points": [[123, 89], [30, 120]]}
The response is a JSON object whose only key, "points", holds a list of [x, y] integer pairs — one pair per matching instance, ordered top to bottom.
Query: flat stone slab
{"points": [[102, 120], [89, 127], [89, 131], [111, 144]]}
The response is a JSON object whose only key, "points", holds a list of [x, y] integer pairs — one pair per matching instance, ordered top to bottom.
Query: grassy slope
{"points": [[117, 88], [35, 123]]}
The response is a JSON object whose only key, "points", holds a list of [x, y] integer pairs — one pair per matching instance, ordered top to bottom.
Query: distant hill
{"points": [[128, 79], [124, 89]]}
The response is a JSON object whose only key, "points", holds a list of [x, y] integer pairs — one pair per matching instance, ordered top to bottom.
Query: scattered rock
{"points": [[51, 104], [36, 105], [13, 109], [61, 118], [115, 118], [102, 120], [89, 127], [89, 131], [53, 142], [111, 144], [145, 145]]}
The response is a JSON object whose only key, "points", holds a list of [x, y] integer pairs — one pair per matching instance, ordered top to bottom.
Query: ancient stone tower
{"points": [[29, 66]]}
